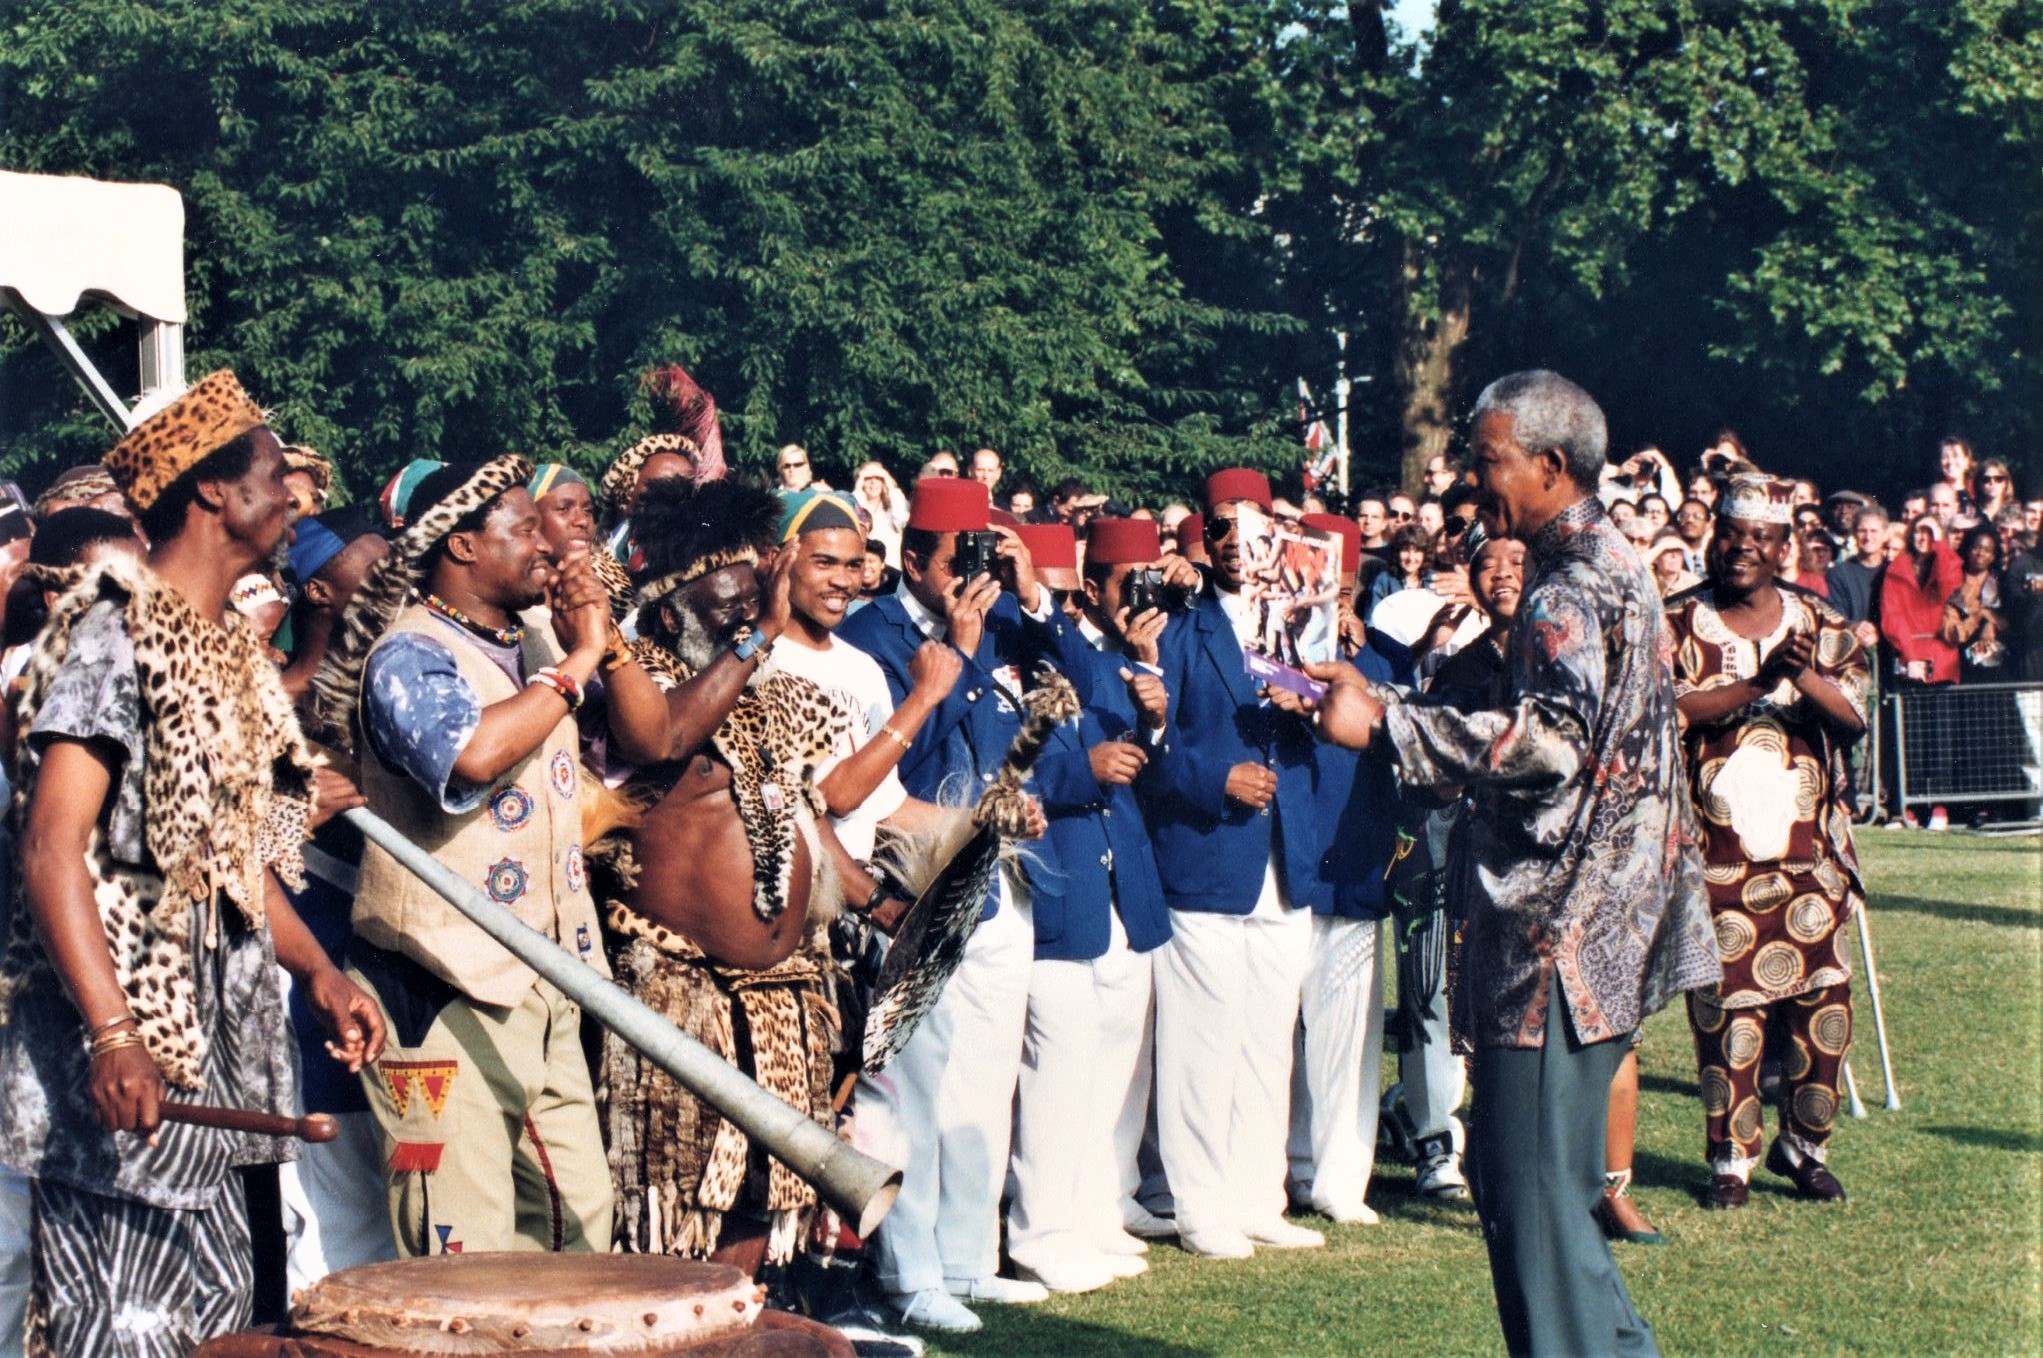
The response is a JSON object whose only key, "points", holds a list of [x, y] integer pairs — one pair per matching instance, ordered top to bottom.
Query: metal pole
{"points": [[54, 333], [1341, 388], [1900, 754], [1879, 1017], [1851, 1090], [861, 1188]]}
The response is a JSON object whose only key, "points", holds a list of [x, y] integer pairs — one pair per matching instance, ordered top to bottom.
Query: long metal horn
{"points": [[859, 1187]]}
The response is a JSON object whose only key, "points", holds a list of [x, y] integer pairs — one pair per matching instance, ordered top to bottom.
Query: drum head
{"points": [[530, 1303]]}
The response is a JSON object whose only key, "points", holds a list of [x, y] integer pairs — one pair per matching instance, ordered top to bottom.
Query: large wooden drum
{"points": [[536, 1306]]}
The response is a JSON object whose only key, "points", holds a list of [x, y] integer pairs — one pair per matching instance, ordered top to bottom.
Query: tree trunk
{"points": [[1430, 336]]}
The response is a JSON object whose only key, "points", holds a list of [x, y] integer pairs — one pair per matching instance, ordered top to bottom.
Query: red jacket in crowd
{"points": [[1912, 613]]}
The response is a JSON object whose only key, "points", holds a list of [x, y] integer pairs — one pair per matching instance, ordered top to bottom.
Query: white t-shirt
{"points": [[858, 688]]}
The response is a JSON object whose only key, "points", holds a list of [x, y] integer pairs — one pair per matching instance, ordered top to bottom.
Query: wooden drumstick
{"points": [[312, 1127]]}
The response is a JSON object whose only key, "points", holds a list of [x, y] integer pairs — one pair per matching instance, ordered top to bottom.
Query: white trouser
{"points": [[1226, 1000], [1080, 1053], [1335, 1082], [947, 1123], [1135, 1123], [335, 1216], [17, 1226]]}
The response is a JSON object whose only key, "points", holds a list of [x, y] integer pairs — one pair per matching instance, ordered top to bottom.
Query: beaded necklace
{"points": [[502, 636]]}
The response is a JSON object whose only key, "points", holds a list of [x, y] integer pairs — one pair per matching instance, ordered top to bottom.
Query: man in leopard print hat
{"points": [[163, 791]]}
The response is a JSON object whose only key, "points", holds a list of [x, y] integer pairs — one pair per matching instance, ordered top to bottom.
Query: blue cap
{"points": [[320, 540], [314, 546]]}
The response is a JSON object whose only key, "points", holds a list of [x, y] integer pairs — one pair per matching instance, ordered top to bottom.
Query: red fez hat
{"points": [[1237, 483], [949, 504], [1000, 518], [1191, 528], [1347, 530], [1123, 542], [1054, 550]]}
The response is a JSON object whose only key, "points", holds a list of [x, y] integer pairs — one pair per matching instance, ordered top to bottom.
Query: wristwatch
{"points": [[749, 645]]}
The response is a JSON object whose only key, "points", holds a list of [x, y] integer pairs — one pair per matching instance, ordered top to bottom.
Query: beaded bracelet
{"points": [[560, 682], [887, 729]]}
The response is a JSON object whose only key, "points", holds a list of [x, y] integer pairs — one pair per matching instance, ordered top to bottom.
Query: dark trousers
{"points": [[1536, 1170]]}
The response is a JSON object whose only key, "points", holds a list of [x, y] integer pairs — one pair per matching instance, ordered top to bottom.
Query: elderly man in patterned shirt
{"points": [[1586, 885]]}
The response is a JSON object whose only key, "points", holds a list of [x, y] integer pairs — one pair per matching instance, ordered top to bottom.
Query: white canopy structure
{"points": [[67, 241]]}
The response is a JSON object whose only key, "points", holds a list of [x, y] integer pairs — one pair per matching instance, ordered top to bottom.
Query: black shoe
{"points": [[1810, 1177], [1727, 1193]]}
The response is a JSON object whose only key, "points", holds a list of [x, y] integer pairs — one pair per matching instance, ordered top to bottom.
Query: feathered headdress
{"points": [[692, 412], [692, 431], [337, 686]]}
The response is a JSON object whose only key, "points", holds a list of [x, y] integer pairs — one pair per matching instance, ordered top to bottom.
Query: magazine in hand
{"points": [[1291, 582]]}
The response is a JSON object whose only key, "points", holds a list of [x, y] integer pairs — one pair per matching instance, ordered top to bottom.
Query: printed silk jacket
{"points": [[1583, 855]]}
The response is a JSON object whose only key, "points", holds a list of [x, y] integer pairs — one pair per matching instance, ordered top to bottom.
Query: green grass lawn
{"points": [[1939, 1251]]}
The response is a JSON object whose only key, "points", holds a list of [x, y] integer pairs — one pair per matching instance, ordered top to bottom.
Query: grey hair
{"points": [[1549, 411]]}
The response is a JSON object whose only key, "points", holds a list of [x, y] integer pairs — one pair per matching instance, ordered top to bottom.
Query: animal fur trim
{"points": [[299, 457], [622, 479], [615, 579], [337, 685], [778, 733], [227, 791], [678, 1165]]}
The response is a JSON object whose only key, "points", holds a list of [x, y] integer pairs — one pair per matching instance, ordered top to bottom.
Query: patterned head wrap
{"points": [[205, 419], [551, 476], [622, 478], [75, 486], [397, 492], [1758, 498], [439, 501], [813, 511]]}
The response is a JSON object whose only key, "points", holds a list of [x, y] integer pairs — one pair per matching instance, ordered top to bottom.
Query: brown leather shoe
{"points": [[1811, 1178], [1727, 1192], [1621, 1219]]}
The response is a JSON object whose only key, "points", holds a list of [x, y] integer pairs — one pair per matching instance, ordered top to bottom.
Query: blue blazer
{"points": [[965, 739], [1355, 806], [1099, 833], [1212, 852]]}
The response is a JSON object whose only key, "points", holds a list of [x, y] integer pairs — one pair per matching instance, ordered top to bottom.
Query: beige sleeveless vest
{"points": [[522, 848]]}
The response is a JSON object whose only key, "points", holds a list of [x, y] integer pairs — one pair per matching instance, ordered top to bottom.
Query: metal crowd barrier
{"points": [[1968, 743]]}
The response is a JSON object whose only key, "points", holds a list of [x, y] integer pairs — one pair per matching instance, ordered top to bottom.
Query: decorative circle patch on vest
{"points": [[561, 773], [510, 808], [577, 868], [506, 881]]}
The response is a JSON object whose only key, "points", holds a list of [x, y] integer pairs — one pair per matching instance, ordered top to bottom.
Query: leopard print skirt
{"points": [[677, 1164]]}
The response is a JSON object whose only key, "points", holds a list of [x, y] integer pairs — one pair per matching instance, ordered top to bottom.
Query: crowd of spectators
{"points": [[1247, 913]]}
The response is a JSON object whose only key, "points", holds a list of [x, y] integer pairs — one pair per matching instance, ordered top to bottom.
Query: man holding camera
{"points": [[972, 587], [1772, 684], [1233, 817], [1085, 1069]]}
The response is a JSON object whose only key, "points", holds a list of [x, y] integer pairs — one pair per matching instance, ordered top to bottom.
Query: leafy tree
{"points": [[1795, 211], [878, 229]]}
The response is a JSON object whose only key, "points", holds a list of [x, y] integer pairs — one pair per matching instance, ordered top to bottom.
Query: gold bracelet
{"points": [[887, 729], [92, 1034], [113, 1042]]}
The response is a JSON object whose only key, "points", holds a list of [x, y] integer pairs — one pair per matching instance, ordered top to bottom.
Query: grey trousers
{"points": [[1536, 1169], [116, 1278]]}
